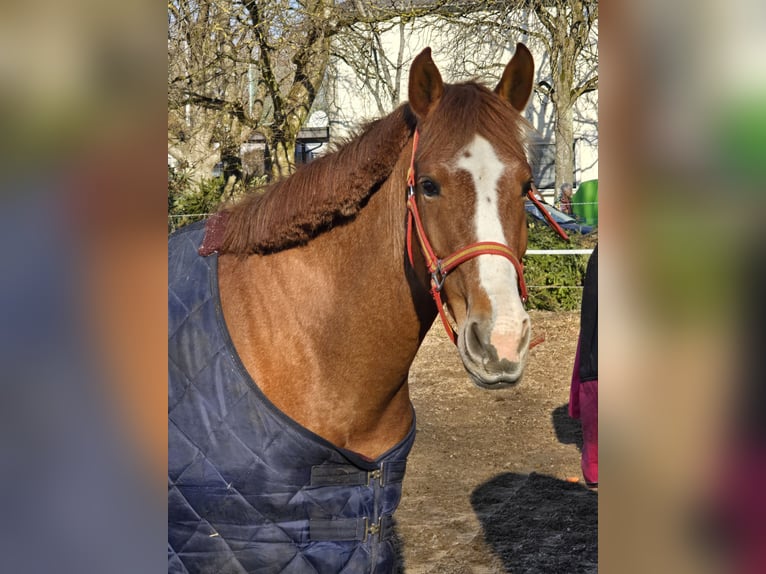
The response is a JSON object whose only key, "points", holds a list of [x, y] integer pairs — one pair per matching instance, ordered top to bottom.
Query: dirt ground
{"points": [[486, 489]]}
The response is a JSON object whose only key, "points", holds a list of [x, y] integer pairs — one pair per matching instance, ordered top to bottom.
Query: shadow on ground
{"points": [[568, 430], [536, 523]]}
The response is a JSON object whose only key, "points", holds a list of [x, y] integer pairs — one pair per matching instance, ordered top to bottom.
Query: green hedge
{"points": [[189, 202], [554, 281]]}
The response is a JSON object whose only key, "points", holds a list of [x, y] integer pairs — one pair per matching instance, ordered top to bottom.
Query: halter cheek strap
{"points": [[546, 214], [440, 268]]}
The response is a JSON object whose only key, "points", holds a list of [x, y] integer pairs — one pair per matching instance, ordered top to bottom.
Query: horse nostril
{"points": [[473, 339], [478, 343]]}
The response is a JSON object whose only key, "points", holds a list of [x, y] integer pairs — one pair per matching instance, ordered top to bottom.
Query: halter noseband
{"points": [[440, 268]]}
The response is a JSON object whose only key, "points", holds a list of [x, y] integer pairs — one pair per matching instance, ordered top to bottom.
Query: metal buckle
{"points": [[438, 276], [373, 474], [372, 529]]}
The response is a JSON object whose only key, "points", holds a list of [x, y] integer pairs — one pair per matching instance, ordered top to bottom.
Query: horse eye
{"points": [[430, 189]]}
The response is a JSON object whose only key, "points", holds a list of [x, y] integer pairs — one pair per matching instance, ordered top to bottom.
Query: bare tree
{"points": [[195, 35], [478, 36], [571, 45], [259, 65], [243, 66], [376, 68]]}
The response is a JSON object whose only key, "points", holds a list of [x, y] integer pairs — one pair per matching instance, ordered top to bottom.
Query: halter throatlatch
{"points": [[440, 268]]}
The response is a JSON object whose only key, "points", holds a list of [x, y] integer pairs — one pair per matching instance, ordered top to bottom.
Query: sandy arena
{"points": [[486, 489]]}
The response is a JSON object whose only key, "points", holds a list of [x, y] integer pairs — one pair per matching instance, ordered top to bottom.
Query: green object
{"points": [[741, 138], [585, 202]]}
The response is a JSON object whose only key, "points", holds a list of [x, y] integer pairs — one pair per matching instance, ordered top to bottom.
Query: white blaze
{"points": [[497, 274]]}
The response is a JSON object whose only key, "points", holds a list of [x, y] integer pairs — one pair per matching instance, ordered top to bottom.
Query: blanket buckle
{"points": [[376, 474], [372, 529]]}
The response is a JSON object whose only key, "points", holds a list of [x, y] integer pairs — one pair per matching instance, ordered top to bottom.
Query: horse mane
{"points": [[330, 190]]}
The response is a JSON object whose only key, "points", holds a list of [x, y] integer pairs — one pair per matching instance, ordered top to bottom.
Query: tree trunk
{"points": [[569, 26], [564, 129], [281, 157]]}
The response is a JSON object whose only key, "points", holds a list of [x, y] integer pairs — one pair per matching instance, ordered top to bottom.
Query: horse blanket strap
{"points": [[329, 475], [250, 490], [351, 529]]}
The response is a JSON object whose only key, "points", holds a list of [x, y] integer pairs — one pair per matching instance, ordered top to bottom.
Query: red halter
{"points": [[440, 268]]}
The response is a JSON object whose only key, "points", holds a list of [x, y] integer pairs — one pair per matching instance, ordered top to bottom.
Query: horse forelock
{"points": [[470, 109], [328, 191]]}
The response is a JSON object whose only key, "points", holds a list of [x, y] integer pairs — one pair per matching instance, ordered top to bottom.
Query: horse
{"points": [[295, 316]]}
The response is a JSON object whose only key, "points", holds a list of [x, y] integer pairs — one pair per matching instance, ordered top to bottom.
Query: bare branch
{"points": [[590, 85], [233, 108]]}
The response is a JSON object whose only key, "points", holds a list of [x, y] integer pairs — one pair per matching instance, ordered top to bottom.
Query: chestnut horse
{"points": [[329, 281]]}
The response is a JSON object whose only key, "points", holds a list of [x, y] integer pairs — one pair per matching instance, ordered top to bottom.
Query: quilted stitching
{"points": [[239, 471]]}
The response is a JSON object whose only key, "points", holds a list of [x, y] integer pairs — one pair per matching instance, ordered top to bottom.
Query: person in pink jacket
{"points": [[583, 394]]}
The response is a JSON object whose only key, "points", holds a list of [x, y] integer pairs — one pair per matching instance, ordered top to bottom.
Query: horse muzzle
{"points": [[494, 358]]}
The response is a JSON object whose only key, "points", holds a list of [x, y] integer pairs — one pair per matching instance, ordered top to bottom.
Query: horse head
{"points": [[469, 179]]}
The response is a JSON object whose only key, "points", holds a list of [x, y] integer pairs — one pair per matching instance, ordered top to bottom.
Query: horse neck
{"points": [[329, 330]]}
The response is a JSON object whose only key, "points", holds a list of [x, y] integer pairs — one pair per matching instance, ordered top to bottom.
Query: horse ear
{"points": [[516, 83], [426, 86]]}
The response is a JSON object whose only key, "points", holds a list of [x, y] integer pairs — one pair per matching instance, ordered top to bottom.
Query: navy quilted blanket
{"points": [[250, 490]]}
